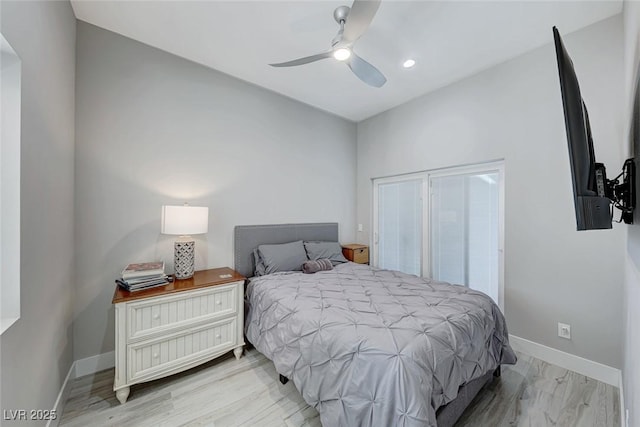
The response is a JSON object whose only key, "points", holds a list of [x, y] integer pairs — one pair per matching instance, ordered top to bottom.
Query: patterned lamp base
{"points": [[184, 256]]}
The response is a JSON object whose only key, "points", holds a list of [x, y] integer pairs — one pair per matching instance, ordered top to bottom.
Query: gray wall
{"points": [[514, 111], [155, 129], [36, 352], [631, 370]]}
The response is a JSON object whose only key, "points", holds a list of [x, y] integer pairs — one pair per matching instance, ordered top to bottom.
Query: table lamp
{"points": [[184, 221]]}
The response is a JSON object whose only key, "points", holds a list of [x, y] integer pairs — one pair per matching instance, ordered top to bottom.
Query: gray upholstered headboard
{"points": [[247, 237]]}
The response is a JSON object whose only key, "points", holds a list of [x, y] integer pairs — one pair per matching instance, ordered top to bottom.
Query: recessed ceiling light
{"points": [[342, 54], [408, 63]]}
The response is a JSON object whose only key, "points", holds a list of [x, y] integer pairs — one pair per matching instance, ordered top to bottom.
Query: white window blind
{"points": [[400, 226], [464, 230]]}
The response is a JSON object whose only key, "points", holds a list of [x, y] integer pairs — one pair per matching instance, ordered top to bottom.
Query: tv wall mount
{"points": [[621, 190]]}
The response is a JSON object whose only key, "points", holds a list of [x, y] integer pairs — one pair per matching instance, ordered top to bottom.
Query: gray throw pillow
{"points": [[325, 250], [284, 257], [311, 267]]}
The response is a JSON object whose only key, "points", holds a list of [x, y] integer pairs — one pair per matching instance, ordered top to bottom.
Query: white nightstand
{"points": [[169, 329]]}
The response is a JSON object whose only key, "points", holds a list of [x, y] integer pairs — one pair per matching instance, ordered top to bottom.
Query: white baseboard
{"points": [[93, 364], [586, 367], [80, 368], [62, 396], [624, 422]]}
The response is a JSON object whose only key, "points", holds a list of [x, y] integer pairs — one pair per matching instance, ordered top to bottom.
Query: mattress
{"points": [[373, 347]]}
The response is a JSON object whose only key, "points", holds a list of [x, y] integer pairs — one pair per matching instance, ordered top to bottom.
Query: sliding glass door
{"points": [[445, 224]]}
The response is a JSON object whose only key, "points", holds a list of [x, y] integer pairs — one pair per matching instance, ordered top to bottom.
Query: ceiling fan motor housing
{"points": [[341, 13]]}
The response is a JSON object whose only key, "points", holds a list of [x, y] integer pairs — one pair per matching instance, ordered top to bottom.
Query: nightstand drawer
{"points": [[361, 255], [150, 316], [180, 350]]}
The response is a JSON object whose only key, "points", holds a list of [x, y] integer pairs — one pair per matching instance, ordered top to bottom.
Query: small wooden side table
{"points": [[356, 253]]}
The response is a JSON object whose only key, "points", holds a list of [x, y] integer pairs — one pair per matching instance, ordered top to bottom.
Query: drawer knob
{"points": [[219, 302], [156, 316], [218, 336], [155, 355]]}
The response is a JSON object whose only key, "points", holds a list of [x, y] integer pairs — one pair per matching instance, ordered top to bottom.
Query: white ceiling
{"points": [[449, 40]]}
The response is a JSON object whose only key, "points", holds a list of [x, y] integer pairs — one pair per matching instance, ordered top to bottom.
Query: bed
{"points": [[366, 346]]}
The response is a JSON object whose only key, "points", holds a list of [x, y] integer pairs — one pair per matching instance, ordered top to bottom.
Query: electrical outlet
{"points": [[360, 228], [564, 330]]}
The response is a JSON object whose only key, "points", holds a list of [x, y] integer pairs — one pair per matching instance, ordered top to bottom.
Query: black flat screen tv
{"points": [[590, 187]]}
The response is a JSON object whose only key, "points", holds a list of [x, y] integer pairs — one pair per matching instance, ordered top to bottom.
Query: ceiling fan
{"points": [[353, 21]]}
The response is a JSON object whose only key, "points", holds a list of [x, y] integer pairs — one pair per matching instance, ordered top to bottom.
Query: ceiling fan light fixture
{"points": [[342, 54], [409, 63]]}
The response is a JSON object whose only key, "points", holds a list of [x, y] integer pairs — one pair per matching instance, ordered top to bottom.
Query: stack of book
{"points": [[136, 277]]}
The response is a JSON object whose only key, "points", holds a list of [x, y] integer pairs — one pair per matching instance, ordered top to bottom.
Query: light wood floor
{"points": [[227, 392]]}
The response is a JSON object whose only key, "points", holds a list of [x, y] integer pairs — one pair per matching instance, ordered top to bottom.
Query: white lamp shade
{"points": [[184, 220]]}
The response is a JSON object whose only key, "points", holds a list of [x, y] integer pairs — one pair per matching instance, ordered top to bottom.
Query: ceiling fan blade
{"points": [[359, 19], [305, 60], [366, 72]]}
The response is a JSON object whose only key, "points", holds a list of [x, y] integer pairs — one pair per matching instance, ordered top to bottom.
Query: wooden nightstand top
{"points": [[355, 246], [200, 279]]}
